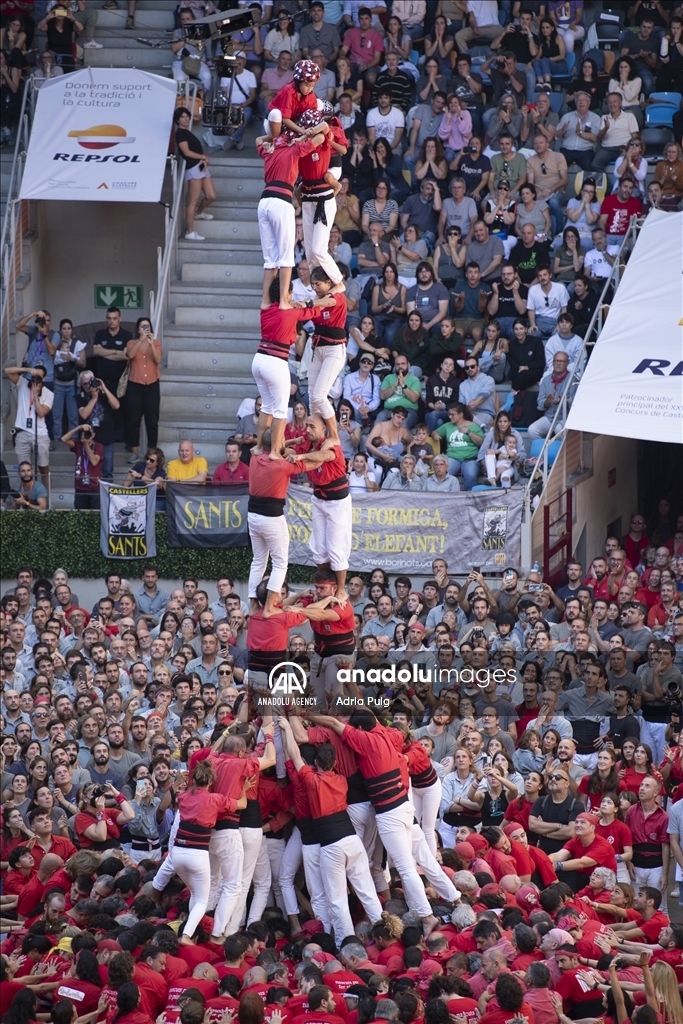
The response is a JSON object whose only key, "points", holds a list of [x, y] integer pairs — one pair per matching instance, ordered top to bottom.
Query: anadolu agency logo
{"points": [[288, 685]]}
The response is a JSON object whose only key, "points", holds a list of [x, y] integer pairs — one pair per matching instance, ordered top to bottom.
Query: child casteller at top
{"points": [[287, 106]]}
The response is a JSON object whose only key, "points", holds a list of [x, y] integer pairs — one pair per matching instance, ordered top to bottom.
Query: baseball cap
{"points": [[367, 357], [510, 830], [477, 842], [465, 850], [491, 889], [527, 897], [312, 927], [107, 944]]}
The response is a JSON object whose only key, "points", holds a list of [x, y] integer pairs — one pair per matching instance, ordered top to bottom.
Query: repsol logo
{"points": [[80, 158], [658, 367]]}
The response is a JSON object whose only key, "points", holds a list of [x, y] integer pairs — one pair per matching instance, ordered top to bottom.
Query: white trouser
{"points": [[570, 35], [204, 75], [277, 228], [317, 238], [324, 368], [273, 382], [490, 464], [332, 534], [269, 536], [324, 677], [652, 733], [587, 761], [426, 803], [365, 823], [396, 832], [448, 834], [252, 840], [276, 851], [137, 855], [226, 856], [341, 860], [289, 865], [195, 870], [433, 871], [164, 874], [623, 875], [653, 877], [262, 881], [315, 885]]}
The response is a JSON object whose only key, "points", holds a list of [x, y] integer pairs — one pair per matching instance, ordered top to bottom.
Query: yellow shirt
{"points": [[177, 470]]}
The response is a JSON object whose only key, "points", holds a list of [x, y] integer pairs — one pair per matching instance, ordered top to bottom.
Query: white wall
{"points": [[598, 504]]}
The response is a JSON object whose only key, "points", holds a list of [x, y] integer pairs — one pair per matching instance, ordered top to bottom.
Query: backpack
{"points": [[65, 373], [525, 409]]}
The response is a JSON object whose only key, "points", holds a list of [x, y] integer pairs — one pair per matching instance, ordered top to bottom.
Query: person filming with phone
{"points": [[143, 394], [34, 402], [96, 405], [89, 462]]}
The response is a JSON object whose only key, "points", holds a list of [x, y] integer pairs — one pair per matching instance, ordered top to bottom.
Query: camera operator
{"points": [[42, 345], [34, 402], [96, 405], [89, 463], [32, 495]]}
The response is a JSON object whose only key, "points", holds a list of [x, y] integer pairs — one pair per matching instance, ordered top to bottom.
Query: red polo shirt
{"points": [[599, 850]]}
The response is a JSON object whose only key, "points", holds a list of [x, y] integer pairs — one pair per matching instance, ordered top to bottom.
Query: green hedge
{"points": [[71, 541]]}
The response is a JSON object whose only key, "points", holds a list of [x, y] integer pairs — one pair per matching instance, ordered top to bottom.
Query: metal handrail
{"points": [[8, 234], [562, 408]]}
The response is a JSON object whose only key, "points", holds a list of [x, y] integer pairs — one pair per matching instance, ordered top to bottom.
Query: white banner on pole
{"points": [[100, 134], [633, 384]]}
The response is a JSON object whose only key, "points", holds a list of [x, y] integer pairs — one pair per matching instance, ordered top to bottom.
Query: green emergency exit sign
{"points": [[125, 296]]}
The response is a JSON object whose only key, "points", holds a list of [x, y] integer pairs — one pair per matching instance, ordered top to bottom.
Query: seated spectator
{"points": [[569, 21], [319, 34], [282, 36], [396, 38], [182, 47], [364, 47], [643, 47], [550, 57], [47, 68], [435, 75], [506, 78], [273, 79], [348, 82], [627, 82], [399, 84], [469, 87], [349, 114], [427, 118], [506, 119], [541, 119], [386, 121], [617, 129], [455, 130], [578, 131], [431, 163], [632, 163], [507, 164], [357, 165], [389, 166], [474, 168], [547, 170], [669, 175], [381, 209], [423, 209], [618, 209], [459, 210], [532, 210], [584, 212], [499, 214], [347, 217], [340, 251], [487, 251], [407, 253], [373, 254], [529, 254], [568, 257], [449, 258], [599, 260], [428, 296], [508, 299], [389, 302], [545, 302], [469, 304], [582, 304], [364, 338], [564, 340], [412, 341], [447, 342], [491, 351], [526, 360], [361, 388], [400, 390], [442, 390], [550, 392], [478, 393], [247, 425], [348, 427], [296, 436], [463, 439], [388, 440], [495, 440], [89, 459], [188, 468], [147, 470], [233, 470], [404, 478], [362, 479], [441, 480], [32, 494]]}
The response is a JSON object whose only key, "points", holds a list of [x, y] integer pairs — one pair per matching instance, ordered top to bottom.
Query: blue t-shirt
{"points": [[37, 352]]}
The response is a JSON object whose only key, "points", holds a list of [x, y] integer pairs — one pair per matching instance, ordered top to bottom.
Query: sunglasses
{"points": [[543, 169], [471, 366], [223, 672], [558, 778]]}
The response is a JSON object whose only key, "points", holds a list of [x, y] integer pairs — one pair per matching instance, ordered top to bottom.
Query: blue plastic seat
{"points": [[414, 57], [565, 76], [674, 98], [557, 100], [660, 115], [553, 449], [480, 487]]}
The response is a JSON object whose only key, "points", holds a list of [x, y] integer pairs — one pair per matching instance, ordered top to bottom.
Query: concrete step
{"points": [[152, 22], [130, 55], [233, 208], [226, 230], [212, 251], [228, 275], [209, 295], [216, 318], [208, 343], [236, 364], [212, 385], [205, 411], [207, 434], [213, 453]]}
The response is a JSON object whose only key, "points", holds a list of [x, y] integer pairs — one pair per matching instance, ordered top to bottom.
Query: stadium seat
{"points": [[608, 34], [414, 57], [571, 61], [674, 98], [557, 100], [659, 115], [654, 140], [600, 184], [553, 449], [481, 487]]}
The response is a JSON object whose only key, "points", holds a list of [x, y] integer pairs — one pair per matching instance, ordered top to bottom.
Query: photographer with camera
{"points": [[42, 345], [34, 402], [96, 405], [89, 455], [32, 495], [96, 825]]}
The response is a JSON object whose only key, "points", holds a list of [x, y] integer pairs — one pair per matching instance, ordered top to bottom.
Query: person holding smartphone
{"points": [[142, 394]]}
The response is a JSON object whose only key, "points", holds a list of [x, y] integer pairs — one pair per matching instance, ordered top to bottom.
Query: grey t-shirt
{"points": [[483, 254]]}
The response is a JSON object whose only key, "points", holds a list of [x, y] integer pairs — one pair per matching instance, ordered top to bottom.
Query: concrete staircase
{"points": [[121, 48], [213, 323]]}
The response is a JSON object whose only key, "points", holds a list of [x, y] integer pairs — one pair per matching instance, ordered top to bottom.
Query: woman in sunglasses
{"points": [[148, 471]]}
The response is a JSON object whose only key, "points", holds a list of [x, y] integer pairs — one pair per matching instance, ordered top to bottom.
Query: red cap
{"points": [[414, 625], [41, 700], [591, 818], [510, 830], [477, 842], [466, 851], [491, 889], [527, 897], [206, 924], [312, 927], [110, 944]]}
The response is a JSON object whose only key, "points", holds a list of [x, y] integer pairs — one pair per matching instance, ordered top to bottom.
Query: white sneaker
{"points": [[92, 44], [203, 216], [192, 236], [674, 892]]}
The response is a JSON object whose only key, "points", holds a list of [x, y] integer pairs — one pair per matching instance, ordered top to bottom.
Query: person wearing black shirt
{"points": [[60, 36], [515, 39], [469, 89], [358, 166], [197, 174], [528, 255], [508, 300], [582, 304], [109, 349], [526, 358], [442, 389], [98, 406], [623, 725], [552, 815]]}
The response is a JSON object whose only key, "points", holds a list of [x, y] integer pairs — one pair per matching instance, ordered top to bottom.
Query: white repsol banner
{"points": [[100, 134], [633, 384]]}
